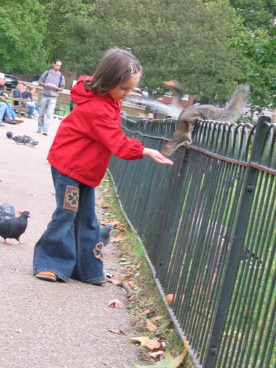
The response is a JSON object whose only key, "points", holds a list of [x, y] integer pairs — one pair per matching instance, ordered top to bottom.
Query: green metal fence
{"points": [[208, 227]]}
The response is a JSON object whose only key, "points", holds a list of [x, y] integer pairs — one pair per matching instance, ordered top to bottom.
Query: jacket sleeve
{"points": [[107, 132]]}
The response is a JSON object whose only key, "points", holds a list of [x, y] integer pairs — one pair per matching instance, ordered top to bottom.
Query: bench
{"points": [[18, 107], [60, 109]]}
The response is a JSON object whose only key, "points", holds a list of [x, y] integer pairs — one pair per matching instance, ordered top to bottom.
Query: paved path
{"points": [[42, 324]]}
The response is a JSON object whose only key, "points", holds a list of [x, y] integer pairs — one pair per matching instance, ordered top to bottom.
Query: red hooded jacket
{"points": [[89, 135]]}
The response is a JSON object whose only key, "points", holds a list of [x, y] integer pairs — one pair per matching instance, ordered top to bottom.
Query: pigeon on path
{"points": [[14, 227], [105, 234]]}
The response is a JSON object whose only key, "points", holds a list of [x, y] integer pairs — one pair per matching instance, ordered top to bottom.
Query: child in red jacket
{"points": [[70, 247]]}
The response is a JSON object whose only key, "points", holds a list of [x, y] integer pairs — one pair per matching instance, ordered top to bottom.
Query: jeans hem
{"points": [[59, 275], [94, 280]]}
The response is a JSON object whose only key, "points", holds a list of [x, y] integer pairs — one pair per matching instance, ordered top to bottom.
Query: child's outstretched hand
{"points": [[156, 156]]}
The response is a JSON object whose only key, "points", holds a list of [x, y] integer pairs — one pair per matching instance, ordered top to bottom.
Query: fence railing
{"points": [[208, 227]]}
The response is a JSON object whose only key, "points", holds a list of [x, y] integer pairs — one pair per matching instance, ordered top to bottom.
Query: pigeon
{"points": [[25, 139], [7, 211], [14, 227], [105, 234]]}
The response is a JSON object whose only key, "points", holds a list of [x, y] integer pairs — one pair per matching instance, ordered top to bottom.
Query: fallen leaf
{"points": [[103, 204], [116, 224], [119, 237], [124, 262], [128, 277], [132, 285], [132, 297], [169, 299], [115, 303], [145, 312], [156, 318], [141, 325], [151, 327], [118, 332], [142, 339], [153, 344], [185, 346], [156, 354], [168, 362]]}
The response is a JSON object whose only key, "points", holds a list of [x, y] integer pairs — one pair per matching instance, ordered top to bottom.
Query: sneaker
{"points": [[19, 120], [8, 121], [47, 276]]}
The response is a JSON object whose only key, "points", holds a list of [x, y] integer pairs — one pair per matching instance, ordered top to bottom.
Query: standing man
{"points": [[52, 82]]}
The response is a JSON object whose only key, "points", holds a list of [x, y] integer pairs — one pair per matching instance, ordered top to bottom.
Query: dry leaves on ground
{"points": [[115, 303], [118, 332], [168, 362]]}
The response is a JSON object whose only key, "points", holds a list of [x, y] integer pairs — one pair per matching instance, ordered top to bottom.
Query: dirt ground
{"points": [[44, 324]]}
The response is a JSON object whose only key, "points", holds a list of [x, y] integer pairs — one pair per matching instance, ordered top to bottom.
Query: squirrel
{"points": [[187, 118]]}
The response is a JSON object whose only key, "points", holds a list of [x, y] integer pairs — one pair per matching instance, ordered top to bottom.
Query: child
{"points": [[70, 247]]}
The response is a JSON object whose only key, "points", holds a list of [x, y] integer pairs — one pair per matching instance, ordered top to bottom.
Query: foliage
{"points": [[256, 14], [22, 30], [66, 32], [164, 36], [210, 46], [257, 47], [260, 71]]}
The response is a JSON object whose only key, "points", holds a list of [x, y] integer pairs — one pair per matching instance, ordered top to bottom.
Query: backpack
{"points": [[60, 78]]}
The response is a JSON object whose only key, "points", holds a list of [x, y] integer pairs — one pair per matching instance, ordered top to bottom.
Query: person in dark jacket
{"points": [[79, 156]]}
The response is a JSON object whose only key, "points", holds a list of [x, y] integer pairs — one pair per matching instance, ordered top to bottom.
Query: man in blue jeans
{"points": [[52, 82]]}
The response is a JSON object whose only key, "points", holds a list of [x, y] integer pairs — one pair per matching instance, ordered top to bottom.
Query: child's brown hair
{"points": [[116, 66]]}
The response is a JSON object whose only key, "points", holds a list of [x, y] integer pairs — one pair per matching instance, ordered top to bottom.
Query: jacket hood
{"points": [[79, 94]]}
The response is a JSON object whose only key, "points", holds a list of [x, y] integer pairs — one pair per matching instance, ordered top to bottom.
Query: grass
{"points": [[146, 298]]}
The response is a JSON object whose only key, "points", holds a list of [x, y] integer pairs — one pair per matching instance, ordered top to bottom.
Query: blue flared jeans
{"points": [[70, 247]]}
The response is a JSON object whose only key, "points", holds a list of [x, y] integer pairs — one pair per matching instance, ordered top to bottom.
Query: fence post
{"points": [[237, 241]]}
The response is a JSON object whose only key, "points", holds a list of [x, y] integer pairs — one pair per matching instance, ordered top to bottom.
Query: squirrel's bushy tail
{"points": [[237, 103], [230, 112]]}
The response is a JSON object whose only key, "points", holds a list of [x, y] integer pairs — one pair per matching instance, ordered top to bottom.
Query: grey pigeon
{"points": [[25, 139], [7, 211], [14, 227], [105, 234]]}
